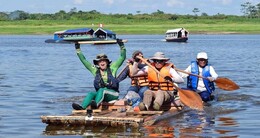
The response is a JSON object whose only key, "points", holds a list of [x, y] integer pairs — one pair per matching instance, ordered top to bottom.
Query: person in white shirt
{"points": [[204, 87]]}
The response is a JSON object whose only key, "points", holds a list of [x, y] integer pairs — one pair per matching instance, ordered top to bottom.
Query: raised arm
{"points": [[85, 62], [116, 65]]}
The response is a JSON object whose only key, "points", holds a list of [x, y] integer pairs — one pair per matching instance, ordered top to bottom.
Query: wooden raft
{"points": [[112, 116]]}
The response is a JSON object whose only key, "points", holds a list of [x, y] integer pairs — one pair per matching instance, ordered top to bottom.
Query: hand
{"points": [[120, 42], [77, 46], [136, 59], [130, 61], [168, 78], [211, 79]]}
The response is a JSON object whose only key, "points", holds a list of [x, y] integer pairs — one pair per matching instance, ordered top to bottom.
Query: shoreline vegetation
{"points": [[20, 22], [200, 26]]}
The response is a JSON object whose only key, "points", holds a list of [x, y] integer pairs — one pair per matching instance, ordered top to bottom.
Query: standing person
{"points": [[183, 33], [105, 83], [139, 84], [204, 87], [161, 90]]}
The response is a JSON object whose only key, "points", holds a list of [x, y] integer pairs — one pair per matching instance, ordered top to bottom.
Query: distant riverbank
{"points": [[43, 27]]}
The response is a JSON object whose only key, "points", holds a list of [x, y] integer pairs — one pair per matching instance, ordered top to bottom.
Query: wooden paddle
{"points": [[83, 42], [100, 42], [122, 70], [222, 83], [187, 97]]}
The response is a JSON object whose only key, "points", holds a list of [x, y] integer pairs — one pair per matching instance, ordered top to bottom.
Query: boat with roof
{"points": [[177, 35], [84, 36]]}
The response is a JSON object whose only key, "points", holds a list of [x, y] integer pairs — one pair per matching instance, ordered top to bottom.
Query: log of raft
{"points": [[108, 117]]}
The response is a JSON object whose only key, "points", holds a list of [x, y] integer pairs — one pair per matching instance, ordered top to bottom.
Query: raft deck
{"points": [[109, 117]]}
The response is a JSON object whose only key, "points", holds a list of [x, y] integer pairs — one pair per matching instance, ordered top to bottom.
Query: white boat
{"points": [[177, 35]]}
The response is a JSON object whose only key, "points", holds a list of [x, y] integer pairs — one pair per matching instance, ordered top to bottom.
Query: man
{"points": [[105, 83], [139, 84], [204, 87], [161, 90]]}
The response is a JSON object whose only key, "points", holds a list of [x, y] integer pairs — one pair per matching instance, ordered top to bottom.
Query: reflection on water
{"points": [[227, 123], [195, 124], [95, 131]]}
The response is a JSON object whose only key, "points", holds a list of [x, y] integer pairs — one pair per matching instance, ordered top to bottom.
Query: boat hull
{"points": [[183, 39]]}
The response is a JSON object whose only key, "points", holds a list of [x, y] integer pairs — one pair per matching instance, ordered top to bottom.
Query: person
{"points": [[182, 32], [105, 83], [139, 84], [204, 87], [161, 89]]}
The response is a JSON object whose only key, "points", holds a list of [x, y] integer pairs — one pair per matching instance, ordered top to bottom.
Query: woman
{"points": [[105, 83]]}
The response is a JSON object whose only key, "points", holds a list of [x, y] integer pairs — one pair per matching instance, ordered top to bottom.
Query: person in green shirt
{"points": [[105, 82]]}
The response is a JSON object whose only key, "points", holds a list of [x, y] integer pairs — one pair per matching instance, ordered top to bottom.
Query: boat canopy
{"points": [[176, 30], [76, 31], [104, 33]]}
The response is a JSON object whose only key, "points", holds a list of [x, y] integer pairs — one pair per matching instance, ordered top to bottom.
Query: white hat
{"points": [[202, 55], [159, 56]]}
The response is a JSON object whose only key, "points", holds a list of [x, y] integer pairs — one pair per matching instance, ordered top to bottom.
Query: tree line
{"points": [[248, 9]]}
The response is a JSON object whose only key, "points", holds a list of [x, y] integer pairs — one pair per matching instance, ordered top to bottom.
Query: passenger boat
{"points": [[177, 35], [84, 36], [112, 115]]}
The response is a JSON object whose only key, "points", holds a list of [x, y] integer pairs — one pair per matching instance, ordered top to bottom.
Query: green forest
{"points": [[20, 22]]}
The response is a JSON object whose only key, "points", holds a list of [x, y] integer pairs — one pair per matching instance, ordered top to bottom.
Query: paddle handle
{"points": [[100, 42], [122, 70], [190, 73]]}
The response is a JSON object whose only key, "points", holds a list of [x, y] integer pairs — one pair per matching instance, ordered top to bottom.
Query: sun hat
{"points": [[202, 55], [159, 56], [101, 57]]}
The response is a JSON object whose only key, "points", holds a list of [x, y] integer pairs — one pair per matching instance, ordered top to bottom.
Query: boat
{"points": [[177, 35], [84, 36], [112, 115]]}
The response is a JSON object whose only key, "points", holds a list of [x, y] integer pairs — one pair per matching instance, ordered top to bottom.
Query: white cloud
{"points": [[78, 1], [109, 1], [224, 2], [173, 3]]}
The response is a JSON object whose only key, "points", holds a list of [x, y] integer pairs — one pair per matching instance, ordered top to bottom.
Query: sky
{"points": [[181, 7]]}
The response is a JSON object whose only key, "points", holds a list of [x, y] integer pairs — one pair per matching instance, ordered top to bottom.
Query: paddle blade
{"points": [[226, 84], [191, 99]]}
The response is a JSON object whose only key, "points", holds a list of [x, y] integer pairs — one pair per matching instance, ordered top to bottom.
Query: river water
{"points": [[44, 79]]}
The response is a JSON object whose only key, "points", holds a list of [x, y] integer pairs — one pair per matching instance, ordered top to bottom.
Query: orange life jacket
{"points": [[140, 80], [157, 82]]}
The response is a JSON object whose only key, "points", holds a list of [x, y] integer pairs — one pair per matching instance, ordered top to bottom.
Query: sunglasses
{"points": [[202, 59], [159, 61]]}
